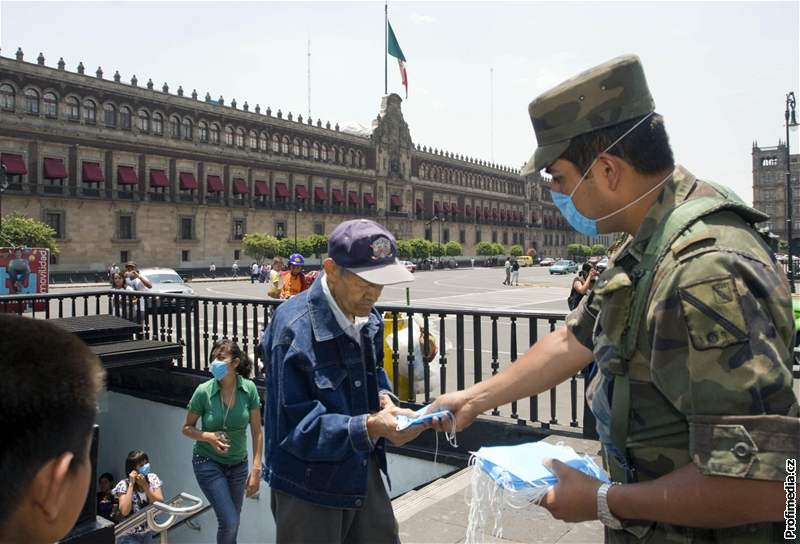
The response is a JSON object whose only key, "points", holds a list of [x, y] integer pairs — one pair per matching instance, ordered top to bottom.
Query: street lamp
{"points": [[791, 122], [296, 211]]}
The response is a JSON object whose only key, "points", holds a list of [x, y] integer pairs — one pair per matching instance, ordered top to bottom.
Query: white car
{"points": [[547, 261], [411, 267], [166, 282]]}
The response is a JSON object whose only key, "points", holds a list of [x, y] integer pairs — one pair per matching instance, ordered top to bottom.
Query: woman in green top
{"points": [[226, 404]]}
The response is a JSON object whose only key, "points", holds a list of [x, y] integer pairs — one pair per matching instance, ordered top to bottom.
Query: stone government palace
{"points": [[127, 171]]}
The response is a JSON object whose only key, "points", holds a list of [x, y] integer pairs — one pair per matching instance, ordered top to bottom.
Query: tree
{"points": [[18, 230], [319, 244], [261, 246], [287, 246], [305, 247], [404, 249], [420, 249], [437, 249], [453, 249], [484, 249], [498, 249], [516, 250], [599, 250], [574, 251], [531, 253]]}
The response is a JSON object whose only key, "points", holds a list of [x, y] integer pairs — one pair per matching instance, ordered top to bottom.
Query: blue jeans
{"points": [[223, 485], [136, 538]]}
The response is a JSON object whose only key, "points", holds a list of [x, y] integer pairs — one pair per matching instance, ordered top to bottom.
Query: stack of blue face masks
{"points": [[421, 416], [517, 467], [515, 477]]}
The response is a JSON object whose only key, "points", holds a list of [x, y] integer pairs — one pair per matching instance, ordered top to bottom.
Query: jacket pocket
{"points": [[615, 290], [329, 377]]}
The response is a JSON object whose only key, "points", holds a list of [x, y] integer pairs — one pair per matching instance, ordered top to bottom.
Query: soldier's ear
{"points": [[609, 170]]}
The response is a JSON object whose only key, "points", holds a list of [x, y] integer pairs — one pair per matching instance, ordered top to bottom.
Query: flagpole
{"points": [[386, 48]]}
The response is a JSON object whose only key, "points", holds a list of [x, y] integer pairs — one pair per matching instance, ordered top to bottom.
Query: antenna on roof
{"points": [[491, 113]]}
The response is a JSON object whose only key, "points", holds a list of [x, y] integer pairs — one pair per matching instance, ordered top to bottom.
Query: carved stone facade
{"points": [[124, 171], [769, 188]]}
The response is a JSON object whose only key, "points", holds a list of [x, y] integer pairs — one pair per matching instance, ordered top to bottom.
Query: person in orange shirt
{"points": [[293, 279]]}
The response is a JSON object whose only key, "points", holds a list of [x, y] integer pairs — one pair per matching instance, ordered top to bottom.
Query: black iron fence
{"points": [[428, 351]]}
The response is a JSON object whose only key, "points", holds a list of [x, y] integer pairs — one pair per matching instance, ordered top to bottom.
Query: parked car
{"points": [[525, 260], [547, 261], [602, 264], [411, 267], [564, 267], [166, 282]]}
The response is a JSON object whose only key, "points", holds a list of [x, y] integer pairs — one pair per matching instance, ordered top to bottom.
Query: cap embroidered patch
{"points": [[381, 248]]}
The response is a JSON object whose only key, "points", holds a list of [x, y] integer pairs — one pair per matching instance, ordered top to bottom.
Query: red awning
{"points": [[14, 164], [54, 169], [91, 172], [126, 175], [158, 179], [187, 181], [214, 184], [240, 186], [262, 189], [281, 190], [301, 192], [319, 194], [337, 195], [352, 196], [369, 200], [395, 201], [419, 205], [436, 206], [446, 207], [454, 208], [468, 209], [478, 211], [485, 211], [494, 212], [502, 214]]}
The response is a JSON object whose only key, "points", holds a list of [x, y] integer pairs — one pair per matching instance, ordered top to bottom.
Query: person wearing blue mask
{"points": [[690, 325], [226, 404], [141, 488]]}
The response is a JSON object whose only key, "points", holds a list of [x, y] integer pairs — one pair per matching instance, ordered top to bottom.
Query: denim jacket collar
{"points": [[324, 323]]}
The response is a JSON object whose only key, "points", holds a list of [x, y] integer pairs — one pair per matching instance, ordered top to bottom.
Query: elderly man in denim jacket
{"points": [[328, 409]]}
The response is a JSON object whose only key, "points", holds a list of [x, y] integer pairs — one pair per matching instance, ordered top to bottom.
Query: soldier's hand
{"points": [[462, 407], [574, 497]]}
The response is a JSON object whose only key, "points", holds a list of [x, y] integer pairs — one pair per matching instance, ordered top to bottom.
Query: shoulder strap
{"points": [[678, 220]]}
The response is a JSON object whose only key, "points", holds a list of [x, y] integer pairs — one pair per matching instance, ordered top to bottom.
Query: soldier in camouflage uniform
{"points": [[691, 326]]}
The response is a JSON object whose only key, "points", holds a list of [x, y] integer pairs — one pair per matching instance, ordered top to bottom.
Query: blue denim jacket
{"points": [[321, 385]]}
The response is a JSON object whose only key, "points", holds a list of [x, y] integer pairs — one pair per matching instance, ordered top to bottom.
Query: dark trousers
{"points": [[298, 521]]}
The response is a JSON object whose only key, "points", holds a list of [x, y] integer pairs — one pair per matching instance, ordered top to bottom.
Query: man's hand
{"points": [[462, 406], [383, 424], [253, 482], [574, 497]]}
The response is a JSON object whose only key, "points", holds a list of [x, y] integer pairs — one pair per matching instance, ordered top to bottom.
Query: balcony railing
{"points": [[472, 345]]}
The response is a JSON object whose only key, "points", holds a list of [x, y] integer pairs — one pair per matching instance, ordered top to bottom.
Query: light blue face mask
{"points": [[575, 218], [219, 369], [144, 470]]}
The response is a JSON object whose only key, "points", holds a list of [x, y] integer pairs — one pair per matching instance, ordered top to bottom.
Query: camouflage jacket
{"points": [[711, 377]]}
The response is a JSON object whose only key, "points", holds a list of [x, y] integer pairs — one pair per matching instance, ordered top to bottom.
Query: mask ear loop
{"points": [[615, 142]]}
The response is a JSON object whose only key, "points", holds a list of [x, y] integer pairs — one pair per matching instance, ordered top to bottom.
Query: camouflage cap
{"points": [[605, 95]]}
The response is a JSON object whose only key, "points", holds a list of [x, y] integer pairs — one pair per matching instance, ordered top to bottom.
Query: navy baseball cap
{"points": [[369, 251]]}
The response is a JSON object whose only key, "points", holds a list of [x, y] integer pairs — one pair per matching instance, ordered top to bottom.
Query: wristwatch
{"points": [[603, 512]]}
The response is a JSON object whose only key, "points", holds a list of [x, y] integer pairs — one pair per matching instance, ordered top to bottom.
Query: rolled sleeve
{"points": [[580, 322], [359, 437], [753, 447]]}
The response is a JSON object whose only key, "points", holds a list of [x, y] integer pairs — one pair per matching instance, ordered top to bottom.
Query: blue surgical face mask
{"points": [[566, 205], [219, 369], [144, 470]]}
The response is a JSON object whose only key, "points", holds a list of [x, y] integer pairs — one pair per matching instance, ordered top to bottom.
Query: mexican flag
{"points": [[394, 50]]}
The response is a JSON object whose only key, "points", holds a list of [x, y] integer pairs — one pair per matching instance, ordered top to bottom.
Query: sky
{"points": [[719, 71]]}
